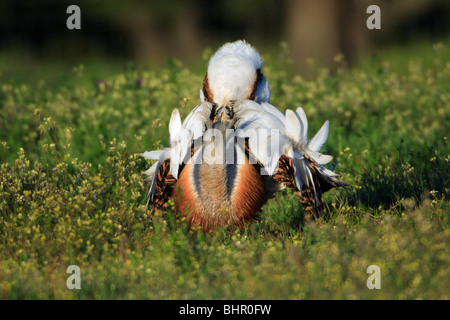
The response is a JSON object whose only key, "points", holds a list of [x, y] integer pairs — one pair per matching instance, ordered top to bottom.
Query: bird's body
{"points": [[235, 150], [219, 194]]}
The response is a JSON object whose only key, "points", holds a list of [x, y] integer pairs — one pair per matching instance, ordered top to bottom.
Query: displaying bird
{"points": [[235, 73], [235, 150]]}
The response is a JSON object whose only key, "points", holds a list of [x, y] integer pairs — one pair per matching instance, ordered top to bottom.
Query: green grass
{"points": [[71, 190]]}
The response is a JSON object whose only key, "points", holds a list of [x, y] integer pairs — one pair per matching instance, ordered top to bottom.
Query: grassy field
{"points": [[72, 193]]}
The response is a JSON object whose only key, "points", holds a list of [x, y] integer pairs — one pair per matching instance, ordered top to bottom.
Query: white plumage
{"points": [[232, 73], [236, 97]]}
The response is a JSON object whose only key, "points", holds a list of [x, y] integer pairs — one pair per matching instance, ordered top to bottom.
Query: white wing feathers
{"points": [[303, 123], [270, 134], [288, 135], [181, 138], [320, 138], [180, 143], [160, 156]]}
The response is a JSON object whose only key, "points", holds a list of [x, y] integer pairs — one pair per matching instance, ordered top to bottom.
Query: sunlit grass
{"points": [[71, 191]]}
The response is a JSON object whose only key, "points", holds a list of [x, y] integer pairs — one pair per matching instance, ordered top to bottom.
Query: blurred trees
{"points": [[322, 28], [152, 30]]}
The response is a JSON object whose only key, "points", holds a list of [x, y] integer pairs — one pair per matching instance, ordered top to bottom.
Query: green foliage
{"points": [[71, 191]]}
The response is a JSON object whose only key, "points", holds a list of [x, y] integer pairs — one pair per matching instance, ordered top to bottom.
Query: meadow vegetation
{"points": [[72, 192]]}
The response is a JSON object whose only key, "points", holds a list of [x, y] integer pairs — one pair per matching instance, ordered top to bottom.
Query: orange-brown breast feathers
{"points": [[258, 80], [207, 93], [249, 193], [217, 195], [186, 201]]}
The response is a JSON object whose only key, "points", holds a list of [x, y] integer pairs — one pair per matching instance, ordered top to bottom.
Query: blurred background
{"points": [[34, 38]]}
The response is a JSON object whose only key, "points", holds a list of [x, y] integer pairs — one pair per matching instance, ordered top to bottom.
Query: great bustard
{"points": [[235, 150]]}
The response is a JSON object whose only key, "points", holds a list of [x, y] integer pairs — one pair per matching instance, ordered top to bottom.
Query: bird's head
{"points": [[235, 73]]}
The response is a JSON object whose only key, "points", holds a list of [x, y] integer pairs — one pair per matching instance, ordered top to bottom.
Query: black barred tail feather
{"points": [[164, 185], [311, 196]]}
